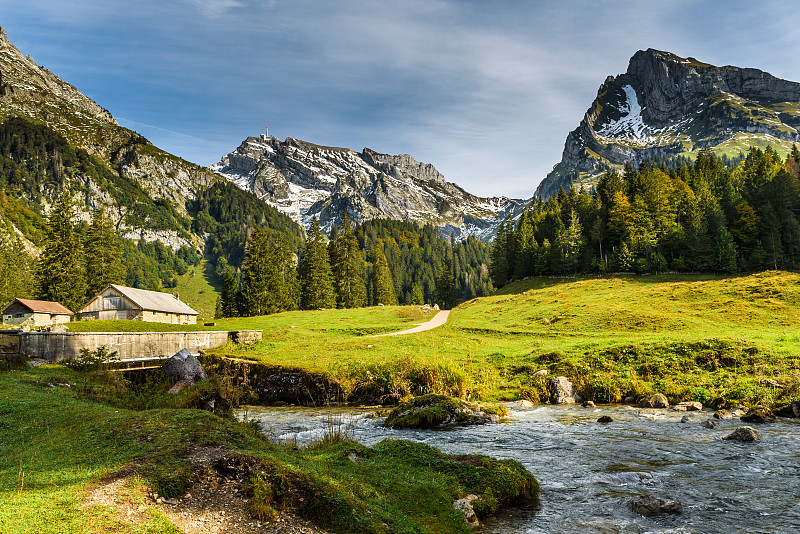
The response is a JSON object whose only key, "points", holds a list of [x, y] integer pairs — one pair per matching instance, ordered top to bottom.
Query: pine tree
{"points": [[103, 253], [348, 267], [16, 268], [60, 275], [316, 280], [285, 284], [382, 284], [445, 294], [256, 296], [417, 297], [228, 300]]}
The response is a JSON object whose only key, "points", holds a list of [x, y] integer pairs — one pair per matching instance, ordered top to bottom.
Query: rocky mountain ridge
{"points": [[34, 93], [665, 105], [305, 180]]}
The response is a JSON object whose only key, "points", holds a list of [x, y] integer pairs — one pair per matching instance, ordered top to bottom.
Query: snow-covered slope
{"points": [[665, 105], [305, 180]]}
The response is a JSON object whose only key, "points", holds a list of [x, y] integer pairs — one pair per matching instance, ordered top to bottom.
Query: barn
{"points": [[120, 302], [35, 313]]}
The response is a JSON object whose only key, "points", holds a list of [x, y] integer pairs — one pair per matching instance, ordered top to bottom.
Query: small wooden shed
{"points": [[120, 302], [35, 313]]}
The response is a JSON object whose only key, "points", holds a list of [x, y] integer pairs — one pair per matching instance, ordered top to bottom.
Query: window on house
{"points": [[18, 315]]}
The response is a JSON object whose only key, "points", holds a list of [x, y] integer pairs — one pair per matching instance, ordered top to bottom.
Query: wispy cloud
{"points": [[481, 90]]}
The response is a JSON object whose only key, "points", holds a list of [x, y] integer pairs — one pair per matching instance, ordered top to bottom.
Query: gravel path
{"points": [[438, 320]]}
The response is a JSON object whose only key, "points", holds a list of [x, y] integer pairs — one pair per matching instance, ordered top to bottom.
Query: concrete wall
{"points": [[55, 346]]}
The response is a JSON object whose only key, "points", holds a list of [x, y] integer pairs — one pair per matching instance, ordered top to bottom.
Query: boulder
{"points": [[183, 370], [540, 373], [562, 391], [659, 400], [522, 404], [588, 404], [688, 406], [440, 411], [723, 414], [758, 416], [605, 419], [686, 419], [709, 423], [743, 433], [647, 505], [465, 507]]}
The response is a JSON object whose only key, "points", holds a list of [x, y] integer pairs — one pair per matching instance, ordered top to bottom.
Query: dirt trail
{"points": [[438, 320]]}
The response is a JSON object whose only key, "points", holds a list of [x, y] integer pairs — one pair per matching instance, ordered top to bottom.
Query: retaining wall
{"points": [[55, 346]]}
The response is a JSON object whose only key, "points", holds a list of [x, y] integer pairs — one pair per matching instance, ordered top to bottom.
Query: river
{"points": [[591, 472]]}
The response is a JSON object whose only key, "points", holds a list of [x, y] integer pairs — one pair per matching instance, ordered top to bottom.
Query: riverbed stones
{"points": [[183, 370], [562, 391], [659, 400], [522, 403], [588, 404], [688, 406], [440, 411], [723, 414], [758, 416], [605, 419], [686, 419], [709, 423], [743, 433], [648, 505], [465, 507]]}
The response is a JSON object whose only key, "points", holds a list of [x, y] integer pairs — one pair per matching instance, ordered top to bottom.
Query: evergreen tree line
{"points": [[710, 215], [79, 260], [377, 262]]}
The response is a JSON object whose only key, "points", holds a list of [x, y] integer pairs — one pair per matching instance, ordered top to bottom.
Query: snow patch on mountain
{"points": [[304, 180]]}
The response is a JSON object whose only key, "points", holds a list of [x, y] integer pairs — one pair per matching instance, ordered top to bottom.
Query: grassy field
{"points": [[195, 289], [691, 337], [57, 443]]}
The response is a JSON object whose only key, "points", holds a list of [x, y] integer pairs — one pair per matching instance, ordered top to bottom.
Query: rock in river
{"points": [[562, 391], [659, 400], [688, 406], [440, 411], [758, 416], [744, 433], [648, 505]]}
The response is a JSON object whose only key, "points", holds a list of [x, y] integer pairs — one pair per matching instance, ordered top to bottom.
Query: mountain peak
{"points": [[4, 37], [666, 105], [304, 180]]}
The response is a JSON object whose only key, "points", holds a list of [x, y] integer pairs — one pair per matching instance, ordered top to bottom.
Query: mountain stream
{"points": [[591, 472]]}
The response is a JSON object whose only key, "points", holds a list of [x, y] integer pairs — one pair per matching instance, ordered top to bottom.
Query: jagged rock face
{"points": [[31, 91], [665, 105], [305, 180]]}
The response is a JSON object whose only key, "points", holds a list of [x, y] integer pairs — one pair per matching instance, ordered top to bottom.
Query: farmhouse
{"points": [[120, 302], [35, 313]]}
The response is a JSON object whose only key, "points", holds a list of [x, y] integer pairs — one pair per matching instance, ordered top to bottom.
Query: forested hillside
{"points": [[63, 212], [701, 216]]}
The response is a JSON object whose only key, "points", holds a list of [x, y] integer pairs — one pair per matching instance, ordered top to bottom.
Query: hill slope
{"points": [[665, 105]]}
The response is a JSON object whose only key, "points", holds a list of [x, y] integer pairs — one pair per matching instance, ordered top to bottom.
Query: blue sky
{"points": [[485, 90]]}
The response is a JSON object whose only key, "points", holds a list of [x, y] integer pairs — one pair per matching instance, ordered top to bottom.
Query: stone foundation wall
{"points": [[55, 346]]}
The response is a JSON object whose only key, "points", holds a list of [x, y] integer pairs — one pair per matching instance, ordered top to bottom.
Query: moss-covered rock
{"points": [[440, 411]]}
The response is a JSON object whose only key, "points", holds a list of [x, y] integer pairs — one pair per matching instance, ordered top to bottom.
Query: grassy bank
{"points": [[705, 338], [57, 443]]}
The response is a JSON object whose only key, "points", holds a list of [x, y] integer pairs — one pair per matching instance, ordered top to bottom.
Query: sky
{"points": [[486, 90]]}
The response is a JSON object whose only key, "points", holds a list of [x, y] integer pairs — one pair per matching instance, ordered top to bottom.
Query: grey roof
{"points": [[154, 300]]}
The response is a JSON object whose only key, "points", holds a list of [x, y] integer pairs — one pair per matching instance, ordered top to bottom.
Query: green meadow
{"points": [[691, 337]]}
